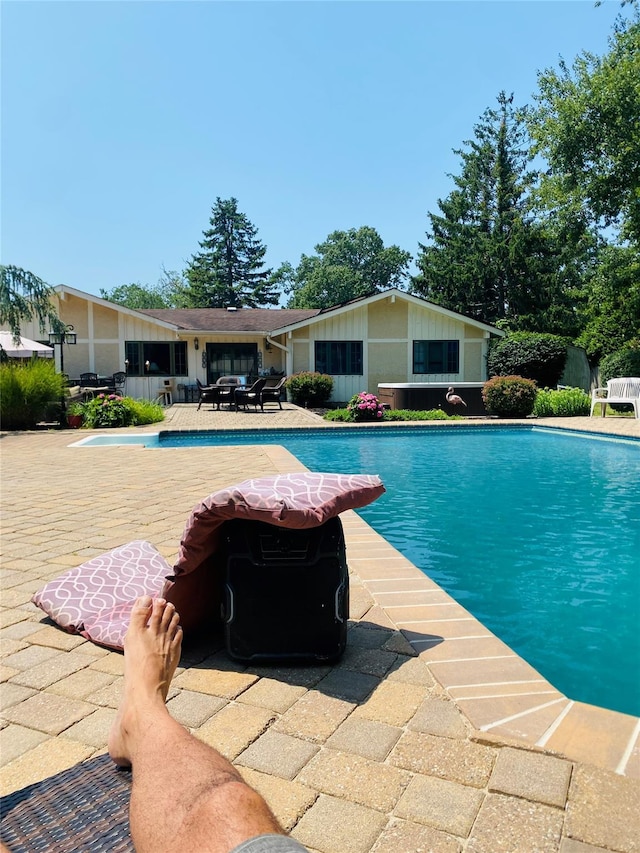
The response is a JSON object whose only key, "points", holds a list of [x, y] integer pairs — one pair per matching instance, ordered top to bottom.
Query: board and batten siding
{"points": [[425, 325], [350, 326]]}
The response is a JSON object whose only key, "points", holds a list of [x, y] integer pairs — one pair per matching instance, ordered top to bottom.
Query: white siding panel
{"points": [[351, 326]]}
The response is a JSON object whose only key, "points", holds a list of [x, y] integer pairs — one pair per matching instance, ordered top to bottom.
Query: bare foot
{"points": [[151, 655]]}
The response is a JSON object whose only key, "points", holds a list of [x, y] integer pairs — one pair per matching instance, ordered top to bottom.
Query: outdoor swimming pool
{"points": [[535, 531]]}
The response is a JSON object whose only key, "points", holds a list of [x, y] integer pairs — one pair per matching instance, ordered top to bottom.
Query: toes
{"points": [[140, 611], [157, 613]]}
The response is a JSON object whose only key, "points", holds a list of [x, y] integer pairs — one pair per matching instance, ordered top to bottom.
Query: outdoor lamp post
{"points": [[65, 335], [147, 366]]}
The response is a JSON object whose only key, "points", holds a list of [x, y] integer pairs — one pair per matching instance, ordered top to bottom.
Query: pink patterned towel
{"points": [[95, 599]]}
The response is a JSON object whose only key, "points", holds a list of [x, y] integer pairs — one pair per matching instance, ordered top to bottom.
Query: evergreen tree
{"points": [[487, 256], [228, 271]]}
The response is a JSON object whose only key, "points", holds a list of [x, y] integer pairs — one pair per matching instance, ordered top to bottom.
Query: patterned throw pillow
{"points": [[95, 599]]}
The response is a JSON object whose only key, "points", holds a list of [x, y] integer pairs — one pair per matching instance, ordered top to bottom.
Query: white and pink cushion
{"points": [[286, 500], [95, 599]]}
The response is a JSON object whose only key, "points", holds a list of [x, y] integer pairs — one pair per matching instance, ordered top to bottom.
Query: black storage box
{"points": [[286, 595]]}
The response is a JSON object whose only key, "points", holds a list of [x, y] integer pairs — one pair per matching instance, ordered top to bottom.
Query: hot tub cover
{"points": [[95, 599]]}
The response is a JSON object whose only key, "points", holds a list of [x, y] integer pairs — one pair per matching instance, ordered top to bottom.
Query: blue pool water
{"points": [[536, 532]]}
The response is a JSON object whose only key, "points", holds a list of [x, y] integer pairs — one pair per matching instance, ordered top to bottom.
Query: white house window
{"points": [[436, 356], [156, 358], [339, 358]]}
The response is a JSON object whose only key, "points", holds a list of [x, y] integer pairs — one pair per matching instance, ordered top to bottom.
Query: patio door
{"points": [[232, 360]]}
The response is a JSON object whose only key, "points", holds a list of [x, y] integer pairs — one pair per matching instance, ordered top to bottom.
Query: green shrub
{"points": [[540, 357], [623, 362], [309, 389], [27, 391], [509, 396], [566, 403], [365, 407], [109, 410], [145, 411], [339, 415], [343, 415], [418, 415]]}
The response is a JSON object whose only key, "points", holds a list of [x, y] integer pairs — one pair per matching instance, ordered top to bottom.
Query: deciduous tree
{"points": [[587, 126], [348, 264], [135, 296]]}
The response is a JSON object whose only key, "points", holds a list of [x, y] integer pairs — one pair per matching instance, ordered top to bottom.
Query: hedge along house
{"points": [[387, 339]]}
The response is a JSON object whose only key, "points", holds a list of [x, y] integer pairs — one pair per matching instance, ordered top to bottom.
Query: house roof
{"points": [[262, 320], [265, 321]]}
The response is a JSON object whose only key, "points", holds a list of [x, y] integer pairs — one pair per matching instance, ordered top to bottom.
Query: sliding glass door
{"points": [[232, 360]]}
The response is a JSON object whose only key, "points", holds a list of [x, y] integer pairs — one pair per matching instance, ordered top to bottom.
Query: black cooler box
{"points": [[286, 595]]}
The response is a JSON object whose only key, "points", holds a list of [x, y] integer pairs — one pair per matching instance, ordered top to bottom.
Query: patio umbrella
{"points": [[25, 348]]}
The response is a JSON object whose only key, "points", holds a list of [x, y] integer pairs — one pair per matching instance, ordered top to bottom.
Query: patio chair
{"points": [[89, 380], [119, 380], [227, 386], [624, 389], [273, 393], [207, 394], [253, 395]]}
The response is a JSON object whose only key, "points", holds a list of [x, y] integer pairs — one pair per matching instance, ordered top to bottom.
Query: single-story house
{"points": [[391, 338]]}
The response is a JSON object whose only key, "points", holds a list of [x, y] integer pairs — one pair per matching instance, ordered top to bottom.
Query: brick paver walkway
{"points": [[368, 755]]}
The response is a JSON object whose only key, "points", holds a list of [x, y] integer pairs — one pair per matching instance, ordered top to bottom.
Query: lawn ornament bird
{"points": [[454, 399]]}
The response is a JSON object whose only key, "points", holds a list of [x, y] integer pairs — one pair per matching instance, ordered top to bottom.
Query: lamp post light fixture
{"points": [[64, 335]]}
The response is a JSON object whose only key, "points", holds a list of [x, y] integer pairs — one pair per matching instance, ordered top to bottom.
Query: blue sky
{"points": [[123, 121]]}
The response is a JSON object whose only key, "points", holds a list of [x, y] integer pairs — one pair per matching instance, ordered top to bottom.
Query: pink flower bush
{"points": [[365, 407]]}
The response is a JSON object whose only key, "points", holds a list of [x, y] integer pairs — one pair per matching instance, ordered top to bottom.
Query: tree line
{"points": [[540, 231]]}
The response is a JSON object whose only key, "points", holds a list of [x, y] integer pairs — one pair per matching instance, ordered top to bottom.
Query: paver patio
{"points": [[371, 754]]}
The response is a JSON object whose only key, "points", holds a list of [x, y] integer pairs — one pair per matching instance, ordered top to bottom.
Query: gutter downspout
{"points": [[284, 349]]}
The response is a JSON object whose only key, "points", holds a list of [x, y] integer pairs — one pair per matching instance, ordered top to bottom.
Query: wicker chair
{"points": [[119, 380], [273, 393], [208, 394], [253, 395]]}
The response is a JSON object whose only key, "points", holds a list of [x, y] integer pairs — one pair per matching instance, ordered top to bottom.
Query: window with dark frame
{"points": [[436, 356], [166, 358], [339, 358]]}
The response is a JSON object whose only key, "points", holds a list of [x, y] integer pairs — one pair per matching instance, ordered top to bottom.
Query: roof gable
{"points": [[392, 293]]}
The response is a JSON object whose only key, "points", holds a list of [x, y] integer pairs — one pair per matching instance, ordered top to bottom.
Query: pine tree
{"points": [[487, 256], [228, 271]]}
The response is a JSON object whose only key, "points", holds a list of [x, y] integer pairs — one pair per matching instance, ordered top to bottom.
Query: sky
{"points": [[122, 122]]}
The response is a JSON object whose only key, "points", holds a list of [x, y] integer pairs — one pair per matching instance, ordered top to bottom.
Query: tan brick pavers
{"points": [[371, 754]]}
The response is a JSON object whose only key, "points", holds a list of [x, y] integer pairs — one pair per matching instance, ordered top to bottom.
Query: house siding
{"points": [[426, 325], [351, 326], [387, 326]]}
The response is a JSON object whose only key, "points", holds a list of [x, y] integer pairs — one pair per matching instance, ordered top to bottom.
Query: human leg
{"points": [[185, 795]]}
